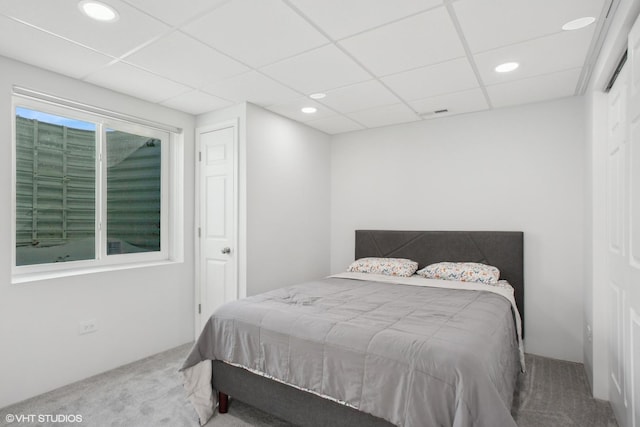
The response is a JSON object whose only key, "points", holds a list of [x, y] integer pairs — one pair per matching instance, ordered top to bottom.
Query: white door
{"points": [[617, 150], [623, 218], [217, 261], [632, 281]]}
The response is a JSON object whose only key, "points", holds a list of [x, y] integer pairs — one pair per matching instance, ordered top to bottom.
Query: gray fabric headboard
{"points": [[502, 249]]}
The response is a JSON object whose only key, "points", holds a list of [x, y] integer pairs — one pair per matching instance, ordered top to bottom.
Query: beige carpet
{"points": [[149, 393]]}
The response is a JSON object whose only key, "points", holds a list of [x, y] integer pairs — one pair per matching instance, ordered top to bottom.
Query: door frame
{"points": [[198, 321]]}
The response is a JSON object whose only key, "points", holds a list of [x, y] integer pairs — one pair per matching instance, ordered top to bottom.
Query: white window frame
{"points": [[165, 137], [102, 261]]}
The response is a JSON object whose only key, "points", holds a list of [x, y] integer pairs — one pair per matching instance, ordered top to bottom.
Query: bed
{"points": [[356, 351]]}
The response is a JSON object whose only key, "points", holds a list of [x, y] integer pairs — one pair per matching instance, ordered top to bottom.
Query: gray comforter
{"points": [[415, 356]]}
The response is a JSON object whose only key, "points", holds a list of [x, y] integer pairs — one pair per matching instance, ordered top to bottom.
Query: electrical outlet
{"points": [[87, 326], [589, 333]]}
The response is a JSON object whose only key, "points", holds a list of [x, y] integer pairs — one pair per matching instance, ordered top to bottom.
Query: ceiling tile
{"points": [[176, 12], [63, 17], [340, 18], [488, 24], [257, 32], [420, 40], [45, 50], [557, 52], [185, 60], [387, 60], [319, 70], [451, 76], [133, 81], [252, 87], [535, 89], [359, 96], [196, 102], [455, 103], [292, 109], [383, 116], [335, 124]]}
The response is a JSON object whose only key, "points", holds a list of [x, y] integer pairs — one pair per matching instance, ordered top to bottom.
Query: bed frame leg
{"points": [[223, 403]]}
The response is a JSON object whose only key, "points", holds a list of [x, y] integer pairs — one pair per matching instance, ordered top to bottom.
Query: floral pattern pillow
{"points": [[388, 266], [462, 271]]}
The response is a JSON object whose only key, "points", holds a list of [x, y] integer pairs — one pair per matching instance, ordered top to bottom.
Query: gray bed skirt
{"points": [[286, 402]]}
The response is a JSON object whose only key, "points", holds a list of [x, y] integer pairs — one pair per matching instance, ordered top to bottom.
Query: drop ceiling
{"points": [[380, 62]]}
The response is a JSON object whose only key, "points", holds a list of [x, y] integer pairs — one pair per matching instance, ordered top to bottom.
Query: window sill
{"points": [[22, 278]]}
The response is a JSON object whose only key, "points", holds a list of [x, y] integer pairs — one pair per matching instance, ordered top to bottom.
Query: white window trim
{"points": [[170, 172]]}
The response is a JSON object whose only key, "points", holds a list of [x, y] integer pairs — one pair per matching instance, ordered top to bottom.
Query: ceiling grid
{"points": [[379, 62]]}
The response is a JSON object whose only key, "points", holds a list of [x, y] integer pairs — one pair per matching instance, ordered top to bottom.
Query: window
{"points": [[89, 190]]}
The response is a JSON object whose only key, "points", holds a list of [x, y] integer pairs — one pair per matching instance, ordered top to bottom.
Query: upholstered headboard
{"points": [[502, 249]]}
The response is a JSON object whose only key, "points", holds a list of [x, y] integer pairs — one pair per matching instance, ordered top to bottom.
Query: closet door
{"points": [[617, 148], [217, 219], [623, 220], [633, 265]]}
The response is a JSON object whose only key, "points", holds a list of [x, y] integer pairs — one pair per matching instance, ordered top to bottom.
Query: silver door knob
{"points": [[226, 250]]}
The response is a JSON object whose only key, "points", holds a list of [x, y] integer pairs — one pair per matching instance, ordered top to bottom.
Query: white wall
{"points": [[519, 168], [284, 198], [288, 201], [139, 311], [587, 358]]}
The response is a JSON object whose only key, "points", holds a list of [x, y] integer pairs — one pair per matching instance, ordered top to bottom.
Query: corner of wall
{"points": [[288, 198], [588, 243]]}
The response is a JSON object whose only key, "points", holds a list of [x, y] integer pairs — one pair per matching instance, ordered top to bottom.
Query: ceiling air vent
{"points": [[433, 113], [427, 114]]}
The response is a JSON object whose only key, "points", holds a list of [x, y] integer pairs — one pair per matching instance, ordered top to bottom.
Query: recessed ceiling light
{"points": [[98, 11], [576, 24], [507, 67], [318, 95], [309, 110]]}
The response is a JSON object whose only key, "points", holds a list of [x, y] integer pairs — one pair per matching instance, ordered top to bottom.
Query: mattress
{"points": [[413, 351]]}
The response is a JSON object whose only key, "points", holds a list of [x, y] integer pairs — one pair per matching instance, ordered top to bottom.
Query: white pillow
{"points": [[388, 266], [462, 271]]}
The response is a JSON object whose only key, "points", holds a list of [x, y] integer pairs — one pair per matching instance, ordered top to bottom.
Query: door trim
{"points": [[198, 321]]}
